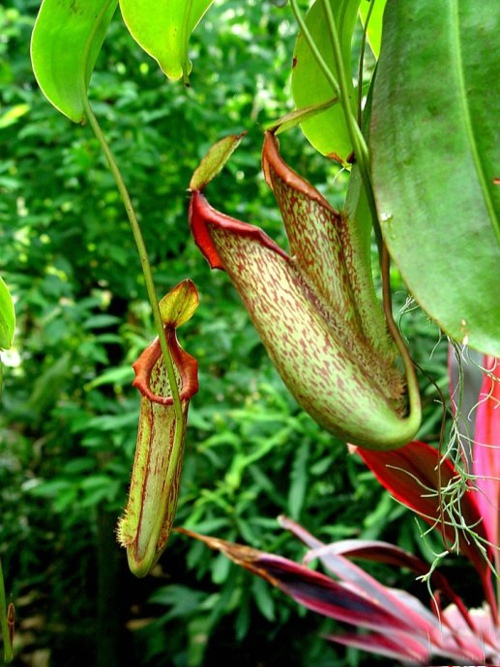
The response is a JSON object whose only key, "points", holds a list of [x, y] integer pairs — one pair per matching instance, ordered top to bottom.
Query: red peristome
{"points": [[273, 164], [202, 216], [184, 362]]}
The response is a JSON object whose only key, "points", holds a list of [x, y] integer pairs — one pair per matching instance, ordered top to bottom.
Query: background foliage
{"points": [[68, 419]]}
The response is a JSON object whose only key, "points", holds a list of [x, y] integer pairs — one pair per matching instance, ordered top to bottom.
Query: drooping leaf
{"points": [[162, 28], [65, 44], [327, 131], [435, 145], [7, 316], [380, 552], [312, 589], [398, 622]]}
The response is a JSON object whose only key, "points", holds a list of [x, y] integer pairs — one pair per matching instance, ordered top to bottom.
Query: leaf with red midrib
{"points": [[415, 475]]}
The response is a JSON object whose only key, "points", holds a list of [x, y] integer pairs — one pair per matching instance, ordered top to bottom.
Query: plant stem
{"points": [[362, 59], [340, 89], [358, 141], [143, 256], [411, 377], [4, 623]]}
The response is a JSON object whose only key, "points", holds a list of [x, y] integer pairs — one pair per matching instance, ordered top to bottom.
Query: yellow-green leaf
{"points": [[373, 11], [162, 28], [12, 115], [214, 161], [178, 306]]}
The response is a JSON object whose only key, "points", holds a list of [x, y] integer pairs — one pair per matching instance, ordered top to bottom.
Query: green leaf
{"points": [[162, 28], [66, 42], [326, 131], [435, 144], [214, 161], [179, 305], [7, 316]]}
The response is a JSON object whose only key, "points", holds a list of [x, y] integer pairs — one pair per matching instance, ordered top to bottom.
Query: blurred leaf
{"points": [[66, 42], [11, 116], [435, 154], [7, 316], [100, 321], [121, 376], [46, 385], [299, 478], [264, 599], [182, 600]]}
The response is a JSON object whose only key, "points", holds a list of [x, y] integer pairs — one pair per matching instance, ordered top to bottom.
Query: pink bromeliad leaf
{"points": [[486, 453], [416, 475], [373, 550], [345, 601], [398, 624]]}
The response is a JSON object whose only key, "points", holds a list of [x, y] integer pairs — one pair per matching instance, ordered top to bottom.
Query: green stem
{"points": [[362, 59], [330, 77], [340, 89], [358, 141], [363, 160], [143, 256], [414, 402], [4, 624]]}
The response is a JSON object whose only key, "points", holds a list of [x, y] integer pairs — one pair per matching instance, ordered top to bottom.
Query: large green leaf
{"points": [[162, 28], [66, 42], [327, 131], [435, 144], [7, 316]]}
